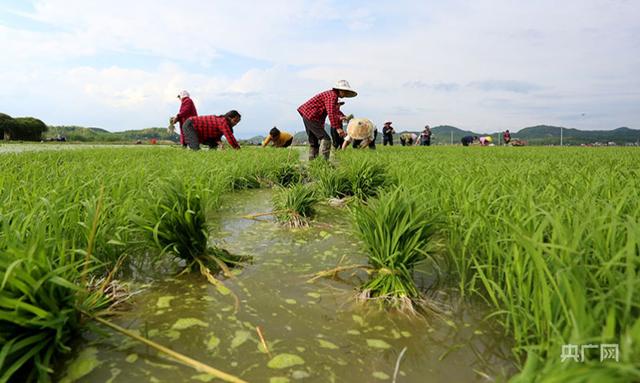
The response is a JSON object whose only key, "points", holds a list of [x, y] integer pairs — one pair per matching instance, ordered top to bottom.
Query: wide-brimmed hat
{"points": [[343, 85], [183, 94], [388, 123], [360, 128]]}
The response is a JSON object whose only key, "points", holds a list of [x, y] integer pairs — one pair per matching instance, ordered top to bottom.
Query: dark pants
{"points": [[190, 135], [387, 138], [336, 139], [182, 140], [319, 140], [425, 142], [288, 143], [372, 144], [213, 145]]}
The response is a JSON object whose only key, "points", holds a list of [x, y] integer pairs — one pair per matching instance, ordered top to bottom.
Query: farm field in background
{"points": [[504, 259]]}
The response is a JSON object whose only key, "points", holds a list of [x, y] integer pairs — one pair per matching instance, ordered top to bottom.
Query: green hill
{"points": [[79, 133], [442, 135], [550, 135]]}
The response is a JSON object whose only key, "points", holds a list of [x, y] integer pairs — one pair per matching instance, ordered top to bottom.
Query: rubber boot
{"points": [[325, 148], [313, 152]]}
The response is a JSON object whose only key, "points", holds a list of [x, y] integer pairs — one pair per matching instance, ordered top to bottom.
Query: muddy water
{"points": [[325, 335]]}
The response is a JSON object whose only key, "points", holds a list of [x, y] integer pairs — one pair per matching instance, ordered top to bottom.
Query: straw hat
{"points": [[344, 86], [360, 128]]}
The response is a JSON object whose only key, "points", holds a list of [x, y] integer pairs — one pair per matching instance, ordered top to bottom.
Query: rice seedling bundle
{"points": [[360, 177], [293, 206], [396, 234], [40, 299]]}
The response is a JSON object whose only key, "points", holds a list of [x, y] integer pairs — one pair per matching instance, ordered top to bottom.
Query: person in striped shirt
{"points": [[315, 111], [210, 129]]}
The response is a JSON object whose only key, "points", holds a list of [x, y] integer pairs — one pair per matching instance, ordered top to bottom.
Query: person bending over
{"points": [[314, 112], [210, 129], [278, 139]]}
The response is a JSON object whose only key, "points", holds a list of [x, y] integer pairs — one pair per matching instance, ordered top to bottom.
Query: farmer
{"points": [[187, 109], [314, 113], [210, 129], [362, 133], [387, 134], [425, 136], [506, 137], [278, 139], [408, 139], [466, 140], [486, 140]]}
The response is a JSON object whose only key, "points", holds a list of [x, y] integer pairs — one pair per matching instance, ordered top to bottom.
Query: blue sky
{"points": [[483, 65]]}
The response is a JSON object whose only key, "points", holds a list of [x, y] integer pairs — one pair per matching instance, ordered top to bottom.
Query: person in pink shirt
{"points": [[187, 110]]}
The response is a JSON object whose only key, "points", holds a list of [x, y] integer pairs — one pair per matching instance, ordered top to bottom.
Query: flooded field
{"points": [[315, 332]]}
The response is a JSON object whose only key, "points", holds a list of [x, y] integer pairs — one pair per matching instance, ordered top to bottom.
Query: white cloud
{"points": [[476, 64]]}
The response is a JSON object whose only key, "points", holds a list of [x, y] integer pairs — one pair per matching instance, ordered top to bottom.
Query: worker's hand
{"points": [[341, 132]]}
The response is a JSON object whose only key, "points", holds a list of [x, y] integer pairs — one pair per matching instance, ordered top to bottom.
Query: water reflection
{"points": [[315, 332]]}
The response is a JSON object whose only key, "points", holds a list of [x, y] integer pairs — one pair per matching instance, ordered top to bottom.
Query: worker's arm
{"points": [[334, 113], [226, 131], [266, 141]]}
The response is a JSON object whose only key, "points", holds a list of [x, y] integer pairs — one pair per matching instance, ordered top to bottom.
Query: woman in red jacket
{"points": [[187, 109]]}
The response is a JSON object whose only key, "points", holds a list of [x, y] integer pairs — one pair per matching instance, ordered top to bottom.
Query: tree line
{"points": [[21, 128]]}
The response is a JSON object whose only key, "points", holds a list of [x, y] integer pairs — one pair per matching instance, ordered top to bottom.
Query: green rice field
{"points": [[443, 264]]}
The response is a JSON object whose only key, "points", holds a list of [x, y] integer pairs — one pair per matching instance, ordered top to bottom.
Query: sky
{"points": [[481, 65]]}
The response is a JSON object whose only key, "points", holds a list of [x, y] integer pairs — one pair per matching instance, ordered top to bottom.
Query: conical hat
{"points": [[344, 86], [360, 128]]}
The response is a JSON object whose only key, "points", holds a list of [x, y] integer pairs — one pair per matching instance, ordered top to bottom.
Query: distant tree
{"points": [[7, 123], [27, 129]]}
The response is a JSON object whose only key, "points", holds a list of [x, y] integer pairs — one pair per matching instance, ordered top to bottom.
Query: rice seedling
{"points": [[287, 174], [360, 178], [367, 178], [330, 182], [293, 206], [177, 224], [396, 234], [551, 243], [40, 303]]}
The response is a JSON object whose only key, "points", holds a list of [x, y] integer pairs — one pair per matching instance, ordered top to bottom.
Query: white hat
{"points": [[344, 86], [183, 94]]}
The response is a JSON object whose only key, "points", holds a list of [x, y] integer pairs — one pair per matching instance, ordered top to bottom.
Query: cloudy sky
{"points": [[482, 65]]}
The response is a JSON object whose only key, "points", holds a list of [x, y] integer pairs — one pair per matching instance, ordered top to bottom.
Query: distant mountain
{"points": [[79, 133], [445, 134], [442, 135], [543, 135], [550, 135], [256, 140]]}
